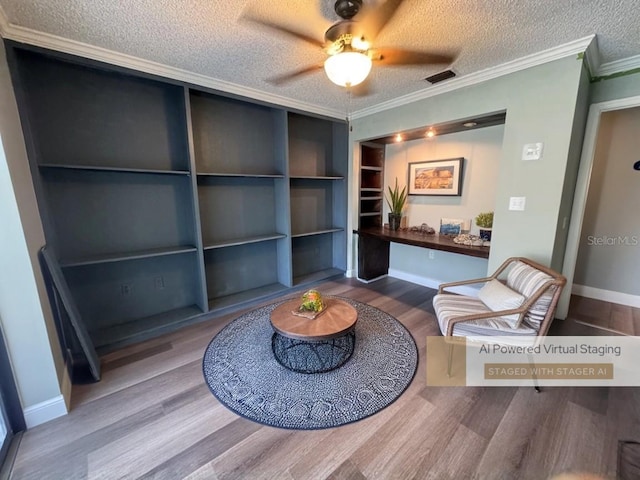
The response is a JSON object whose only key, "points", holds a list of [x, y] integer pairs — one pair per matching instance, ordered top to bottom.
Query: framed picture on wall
{"points": [[436, 177]]}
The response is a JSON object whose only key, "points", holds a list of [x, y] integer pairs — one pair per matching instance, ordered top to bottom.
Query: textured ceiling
{"points": [[209, 37]]}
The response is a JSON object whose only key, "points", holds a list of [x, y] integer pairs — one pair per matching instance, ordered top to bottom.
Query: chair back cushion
{"points": [[527, 280], [498, 297]]}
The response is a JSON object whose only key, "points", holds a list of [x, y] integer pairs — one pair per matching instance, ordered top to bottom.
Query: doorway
{"points": [[587, 179], [12, 422]]}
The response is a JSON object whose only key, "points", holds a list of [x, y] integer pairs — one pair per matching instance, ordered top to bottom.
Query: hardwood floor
{"points": [[605, 315], [153, 417]]}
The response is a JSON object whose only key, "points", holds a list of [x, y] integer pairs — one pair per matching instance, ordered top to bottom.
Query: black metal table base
{"points": [[307, 356]]}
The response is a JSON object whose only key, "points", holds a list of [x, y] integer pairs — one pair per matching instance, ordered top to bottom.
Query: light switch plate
{"points": [[532, 151], [517, 203]]}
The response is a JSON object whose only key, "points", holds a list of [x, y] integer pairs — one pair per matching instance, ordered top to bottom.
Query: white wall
{"points": [[609, 252], [27, 321]]}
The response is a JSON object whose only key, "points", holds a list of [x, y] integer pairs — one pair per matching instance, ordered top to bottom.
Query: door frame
{"points": [[582, 189], [11, 400]]}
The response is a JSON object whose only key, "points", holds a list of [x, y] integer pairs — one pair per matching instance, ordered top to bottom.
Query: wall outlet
{"points": [[532, 151], [517, 203], [432, 254], [159, 282], [125, 289]]}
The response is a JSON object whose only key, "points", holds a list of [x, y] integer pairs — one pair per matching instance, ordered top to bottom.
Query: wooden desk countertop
{"points": [[435, 242]]}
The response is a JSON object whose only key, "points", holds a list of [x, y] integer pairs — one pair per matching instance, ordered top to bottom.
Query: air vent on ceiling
{"points": [[439, 77]]}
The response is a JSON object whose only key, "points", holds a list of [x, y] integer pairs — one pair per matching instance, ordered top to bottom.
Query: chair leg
{"points": [[450, 360], [533, 375]]}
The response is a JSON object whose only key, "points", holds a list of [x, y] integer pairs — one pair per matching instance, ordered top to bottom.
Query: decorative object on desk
{"points": [[436, 177], [396, 201], [485, 222], [450, 226], [423, 229], [470, 240], [311, 306], [242, 373]]}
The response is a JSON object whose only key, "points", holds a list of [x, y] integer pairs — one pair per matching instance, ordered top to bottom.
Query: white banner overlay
{"points": [[553, 361]]}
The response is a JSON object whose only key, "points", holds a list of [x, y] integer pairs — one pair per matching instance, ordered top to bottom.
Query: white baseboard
{"points": [[431, 282], [606, 295], [45, 411]]}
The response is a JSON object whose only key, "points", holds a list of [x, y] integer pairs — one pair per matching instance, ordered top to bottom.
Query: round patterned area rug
{"points": [[243, 374]]}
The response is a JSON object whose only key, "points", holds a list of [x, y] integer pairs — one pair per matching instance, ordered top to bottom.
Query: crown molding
{"points": [[54, 42], [572, 48], [617, 66]]}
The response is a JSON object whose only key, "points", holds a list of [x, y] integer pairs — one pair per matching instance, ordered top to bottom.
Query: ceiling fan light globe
{"points": [[347, 68]]}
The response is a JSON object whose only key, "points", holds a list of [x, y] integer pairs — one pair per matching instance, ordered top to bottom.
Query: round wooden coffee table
{"points": [[313, 346]]}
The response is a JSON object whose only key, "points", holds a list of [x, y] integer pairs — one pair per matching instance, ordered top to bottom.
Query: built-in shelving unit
{"points": [[318, 198], [371, 198], [163, 202]]}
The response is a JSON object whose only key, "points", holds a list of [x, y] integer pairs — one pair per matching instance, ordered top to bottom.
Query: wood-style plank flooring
{"points": [[607, 316], [153, 417]]}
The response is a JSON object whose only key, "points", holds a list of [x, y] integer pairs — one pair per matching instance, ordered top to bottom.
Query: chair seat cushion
{"points": [[449, 306]]}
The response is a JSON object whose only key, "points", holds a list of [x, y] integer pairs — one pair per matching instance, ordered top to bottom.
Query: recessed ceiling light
{"points": [[470, 124], [431, 133], [398, 138]]}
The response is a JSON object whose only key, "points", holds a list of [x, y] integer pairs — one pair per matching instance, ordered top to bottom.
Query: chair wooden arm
{"points": [[442, 286]]}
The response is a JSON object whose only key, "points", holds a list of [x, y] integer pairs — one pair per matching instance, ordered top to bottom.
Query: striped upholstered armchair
{"points": [[520, 298]]}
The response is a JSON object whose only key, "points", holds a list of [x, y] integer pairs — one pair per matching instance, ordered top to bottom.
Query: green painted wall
{"points": [[615, 88], [541, 107]]}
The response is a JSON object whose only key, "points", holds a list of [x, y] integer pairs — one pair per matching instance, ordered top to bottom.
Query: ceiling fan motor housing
{"points": [[347, 9]]}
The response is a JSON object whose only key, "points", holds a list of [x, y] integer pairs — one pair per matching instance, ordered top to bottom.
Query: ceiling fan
{"points": [[348, 44]]}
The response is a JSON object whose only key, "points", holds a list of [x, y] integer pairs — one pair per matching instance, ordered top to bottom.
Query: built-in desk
{"points": [[373, 248]]}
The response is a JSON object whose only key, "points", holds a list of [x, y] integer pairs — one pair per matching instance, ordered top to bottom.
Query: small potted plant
{"points": [[396, 201], [484, 221]]}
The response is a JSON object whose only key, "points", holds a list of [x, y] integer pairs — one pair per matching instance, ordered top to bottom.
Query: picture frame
{"points": [[436, 177], [451, 226]]}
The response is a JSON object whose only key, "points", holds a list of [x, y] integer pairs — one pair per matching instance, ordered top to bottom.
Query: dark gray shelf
{"points": [[111, 169], [375, 169], [241, 175], [315, 177], [371, 189], [371, 198], [370, 214], [317, 232], [244, 241], [120, 257], [317, 276], [247, 296], [116, 336]]}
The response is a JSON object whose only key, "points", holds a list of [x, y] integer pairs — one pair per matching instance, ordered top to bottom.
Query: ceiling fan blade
{"points": [[372, 20], [281, 28], [399, 56], [286, 77]]}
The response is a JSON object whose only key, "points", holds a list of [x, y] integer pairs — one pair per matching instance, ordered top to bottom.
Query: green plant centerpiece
{"points": [[396, 201], [485, 223], [311, 304]]}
